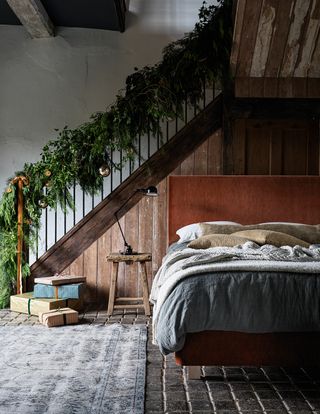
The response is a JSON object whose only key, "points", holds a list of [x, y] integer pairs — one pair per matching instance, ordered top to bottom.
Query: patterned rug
{"points": [[72, 369]]}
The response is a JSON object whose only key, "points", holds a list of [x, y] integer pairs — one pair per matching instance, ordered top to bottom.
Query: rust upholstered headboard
{"points": [[244, 199]]}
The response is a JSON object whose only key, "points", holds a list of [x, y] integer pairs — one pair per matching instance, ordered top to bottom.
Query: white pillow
{"points": [[192, 231]]}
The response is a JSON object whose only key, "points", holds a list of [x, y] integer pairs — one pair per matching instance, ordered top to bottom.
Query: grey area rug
{"points": [[72, 369]]}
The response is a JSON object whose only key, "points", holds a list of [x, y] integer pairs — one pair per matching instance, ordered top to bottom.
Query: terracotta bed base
{"points": [[247, 200], [236, 348]]}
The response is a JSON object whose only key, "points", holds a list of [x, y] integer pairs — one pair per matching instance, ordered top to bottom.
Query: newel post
{"points": [[20, 181]]}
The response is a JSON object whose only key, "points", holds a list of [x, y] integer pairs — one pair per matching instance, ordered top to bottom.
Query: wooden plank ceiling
{"points": [[276, 48]]}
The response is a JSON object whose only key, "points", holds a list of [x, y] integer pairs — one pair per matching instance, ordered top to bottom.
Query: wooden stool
{"points": [[141, 259]]}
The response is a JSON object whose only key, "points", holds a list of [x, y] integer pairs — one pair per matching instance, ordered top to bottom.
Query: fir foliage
{"points": [[151, 95]]}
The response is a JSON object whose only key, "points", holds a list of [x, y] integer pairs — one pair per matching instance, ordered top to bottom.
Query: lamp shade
{"points": [[150, 191]]}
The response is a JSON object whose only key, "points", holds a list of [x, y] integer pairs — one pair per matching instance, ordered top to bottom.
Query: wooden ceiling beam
{"points": [[33, 16], [275, 108]]}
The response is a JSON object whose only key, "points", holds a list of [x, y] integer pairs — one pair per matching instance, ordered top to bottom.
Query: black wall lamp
{"points": [[148, 192]]}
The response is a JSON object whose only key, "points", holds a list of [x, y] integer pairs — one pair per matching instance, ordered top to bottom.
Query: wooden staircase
{"points": [[151, 172]]}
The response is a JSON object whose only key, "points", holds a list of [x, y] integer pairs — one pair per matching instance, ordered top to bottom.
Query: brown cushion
{"points": [[206, 228], [307, 232], [275, 238], [214, 240]]}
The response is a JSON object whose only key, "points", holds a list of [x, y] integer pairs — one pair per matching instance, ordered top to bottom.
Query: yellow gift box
{"points": [[59, 317]]}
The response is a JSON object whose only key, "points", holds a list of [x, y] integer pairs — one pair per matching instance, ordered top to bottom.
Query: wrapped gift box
{"points": [[59, 280], [72, 291], [26, 303], [59, 317]]}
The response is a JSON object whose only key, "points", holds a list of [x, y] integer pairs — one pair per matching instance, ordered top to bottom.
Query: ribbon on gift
{"points": [[29, 306], [54, 310], [64, 315]]}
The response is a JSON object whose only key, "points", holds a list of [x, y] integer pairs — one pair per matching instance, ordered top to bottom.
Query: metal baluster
{"points": [[186, 111], [176, 121], [158, 136], [139, 150], [120, 154], [131, 166], [111, 177], [101, 190], [92, 200], [74, 202], [83, 203], [65, 212], [55, 224], [46, 227], [37, 244]]}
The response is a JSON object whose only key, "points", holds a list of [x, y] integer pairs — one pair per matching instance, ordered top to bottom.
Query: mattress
{"points": [[241, 301]]}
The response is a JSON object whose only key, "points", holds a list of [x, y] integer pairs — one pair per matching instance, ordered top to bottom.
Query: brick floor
{"points": [[224, 390]]}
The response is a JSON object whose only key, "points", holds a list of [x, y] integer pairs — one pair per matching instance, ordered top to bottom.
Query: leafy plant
{"points": [[151, 94]]}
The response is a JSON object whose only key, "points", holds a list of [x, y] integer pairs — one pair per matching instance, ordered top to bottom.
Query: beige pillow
{"points": [[207, 228], [307, 232], [275, 238], [215, 240]]}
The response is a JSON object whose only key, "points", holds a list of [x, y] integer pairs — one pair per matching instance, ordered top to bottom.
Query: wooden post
{"points": [[20, 181]]}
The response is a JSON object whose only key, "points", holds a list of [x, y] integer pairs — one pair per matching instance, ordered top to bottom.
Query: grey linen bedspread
{"points": [[246, 288]]}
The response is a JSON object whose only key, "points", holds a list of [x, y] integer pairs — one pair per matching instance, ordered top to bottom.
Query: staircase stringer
{"points": [[151, 172]]}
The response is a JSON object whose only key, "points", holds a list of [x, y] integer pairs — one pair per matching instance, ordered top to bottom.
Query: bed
{"points": [[247, 200]]}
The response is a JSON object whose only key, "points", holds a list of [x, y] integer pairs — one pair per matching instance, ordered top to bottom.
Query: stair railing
{"points": [[55, 223]]}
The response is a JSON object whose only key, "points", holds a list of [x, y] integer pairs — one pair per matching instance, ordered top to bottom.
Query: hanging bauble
{"points": [[130, 151], [104, 170], [47, 173], [9, 190], [43, 203]]}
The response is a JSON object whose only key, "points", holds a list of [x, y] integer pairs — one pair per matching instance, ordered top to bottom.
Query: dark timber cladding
{"points": [[274, 108], [101, 218]]}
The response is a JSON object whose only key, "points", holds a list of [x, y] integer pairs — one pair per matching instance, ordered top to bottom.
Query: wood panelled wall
{"points": [[276, 48], [257, 147], [273, 147]]}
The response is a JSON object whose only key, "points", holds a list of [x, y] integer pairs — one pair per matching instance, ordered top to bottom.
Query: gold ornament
{"points": [[104, 170], [47, 173], [9, 190], [42, 203]]}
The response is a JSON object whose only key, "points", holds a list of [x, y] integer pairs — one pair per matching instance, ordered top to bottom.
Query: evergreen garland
{"points": [[151, 95]]}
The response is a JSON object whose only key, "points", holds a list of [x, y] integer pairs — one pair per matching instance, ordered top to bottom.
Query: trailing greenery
{"points": [[151, 95]]}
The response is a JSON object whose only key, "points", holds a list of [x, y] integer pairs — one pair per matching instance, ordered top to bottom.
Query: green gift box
{"points": [[70, 291]]}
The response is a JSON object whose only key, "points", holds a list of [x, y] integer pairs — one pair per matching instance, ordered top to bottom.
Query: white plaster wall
{"points": [[49, 83]]}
